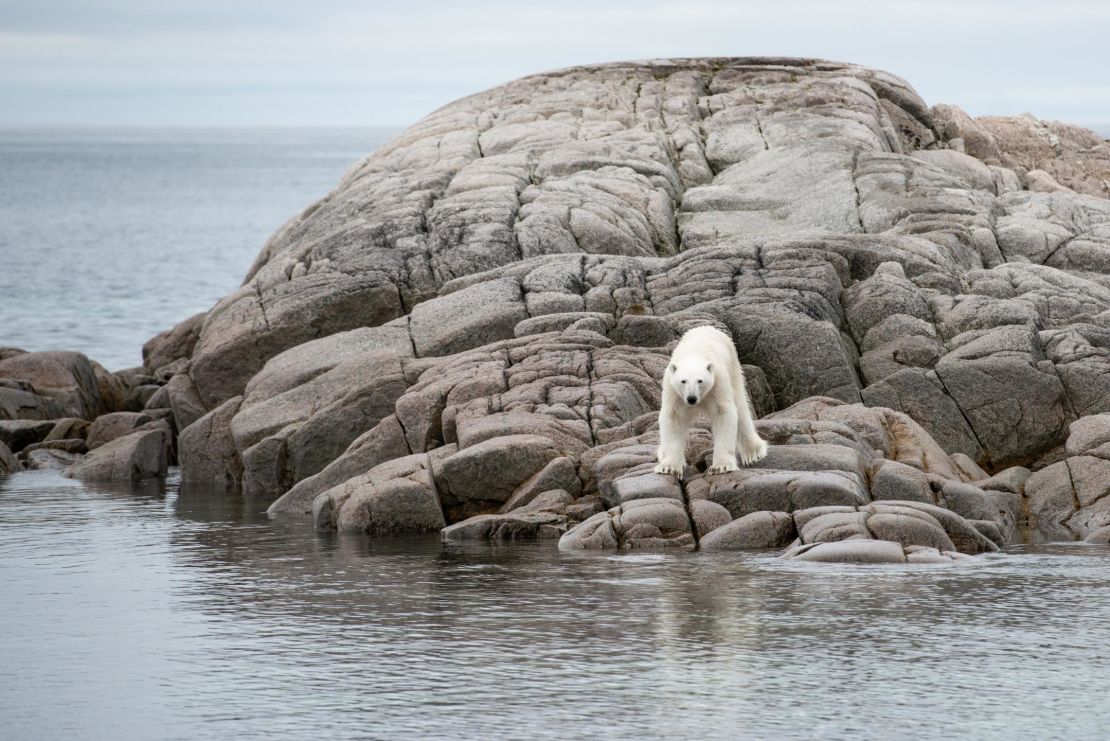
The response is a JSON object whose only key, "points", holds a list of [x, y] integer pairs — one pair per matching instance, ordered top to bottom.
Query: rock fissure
{"points": [[689, 513]]}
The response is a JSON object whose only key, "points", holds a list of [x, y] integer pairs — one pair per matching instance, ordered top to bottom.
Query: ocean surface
{"points": [[109, 236], [159, 611], [162, 612]]}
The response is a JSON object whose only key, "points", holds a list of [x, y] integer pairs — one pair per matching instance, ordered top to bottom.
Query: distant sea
{"points": [[108, 236]]}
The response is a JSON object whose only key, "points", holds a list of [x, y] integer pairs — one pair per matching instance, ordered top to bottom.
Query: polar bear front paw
{"points": [[750, 454], [724, 466], [670, 468]]}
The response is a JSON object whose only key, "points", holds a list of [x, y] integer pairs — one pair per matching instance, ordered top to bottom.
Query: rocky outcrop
{"points": [[1047, 155], [515, 279], [468, 333], [49, 385], [834, 471], [1071, 497]]}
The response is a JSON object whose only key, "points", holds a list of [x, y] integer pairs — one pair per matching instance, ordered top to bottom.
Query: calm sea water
{"points": [[109, 236], [157, 612], [161, 613]]}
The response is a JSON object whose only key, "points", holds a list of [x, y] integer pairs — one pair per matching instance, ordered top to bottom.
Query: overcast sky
{"points": [[342, 62]]}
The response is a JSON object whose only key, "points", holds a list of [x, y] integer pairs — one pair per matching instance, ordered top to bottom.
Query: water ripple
{"points": [[162, 612]]}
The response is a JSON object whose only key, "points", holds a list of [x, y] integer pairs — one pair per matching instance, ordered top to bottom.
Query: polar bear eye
{"points": [[683, 381], [700, 381]]}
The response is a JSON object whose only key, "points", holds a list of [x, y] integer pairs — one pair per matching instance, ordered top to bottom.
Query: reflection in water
{"points": [[168, 612]]}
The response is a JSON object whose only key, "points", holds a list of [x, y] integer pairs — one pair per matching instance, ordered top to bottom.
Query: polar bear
{"points": [[704, 378]]}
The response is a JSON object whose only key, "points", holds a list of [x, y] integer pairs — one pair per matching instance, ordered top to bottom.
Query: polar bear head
{"points": [[691, 379]]}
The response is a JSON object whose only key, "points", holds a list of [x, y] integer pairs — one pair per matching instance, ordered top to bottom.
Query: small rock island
{"points": [[467, 335]]}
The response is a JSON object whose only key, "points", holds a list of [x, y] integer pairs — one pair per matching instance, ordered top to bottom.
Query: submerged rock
{"points": [[50, 459], [871, 551]]}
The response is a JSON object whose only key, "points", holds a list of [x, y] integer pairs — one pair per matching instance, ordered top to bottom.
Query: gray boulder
{"points": [[66, 378], [1010, 394], [18, 400], [184, 401], [108, 427], [69, 428], [17, 434], [384, 442], [75, 445], [206, 448], [133, 457], [487, 474], [560, 474], [395, 497], [1068, 499], [544, 517], [642, 523], [542, 525], [757, 530], [885, 532], [852, 551]]}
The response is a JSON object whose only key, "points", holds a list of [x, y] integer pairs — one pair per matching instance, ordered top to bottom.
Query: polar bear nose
{"points": [[691, 399]]}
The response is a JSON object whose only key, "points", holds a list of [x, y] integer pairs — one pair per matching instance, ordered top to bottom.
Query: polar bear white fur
{"points": [[704, 378]]}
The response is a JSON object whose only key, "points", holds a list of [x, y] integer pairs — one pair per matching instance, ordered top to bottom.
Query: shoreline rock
{"points": [[920, 299]]}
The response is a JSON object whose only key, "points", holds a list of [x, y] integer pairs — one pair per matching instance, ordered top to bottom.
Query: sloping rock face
{"points": [[475, 322]]}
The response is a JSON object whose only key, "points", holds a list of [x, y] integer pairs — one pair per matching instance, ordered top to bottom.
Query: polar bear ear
{"points": [[708, 367], [672, 369]]}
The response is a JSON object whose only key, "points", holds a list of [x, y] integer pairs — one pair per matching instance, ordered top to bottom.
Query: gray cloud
{"points": [[254, 62]]}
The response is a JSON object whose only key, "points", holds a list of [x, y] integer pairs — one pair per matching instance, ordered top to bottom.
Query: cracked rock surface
{"points": [[468, 333]]}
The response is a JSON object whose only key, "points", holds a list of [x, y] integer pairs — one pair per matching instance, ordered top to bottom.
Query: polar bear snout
{"points": [[691, 400]]}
